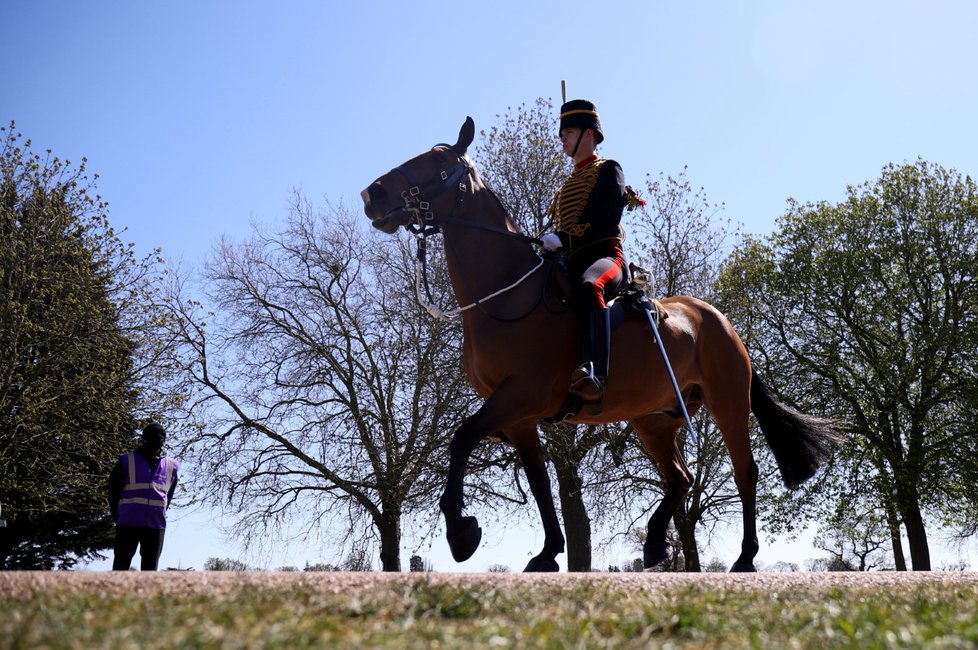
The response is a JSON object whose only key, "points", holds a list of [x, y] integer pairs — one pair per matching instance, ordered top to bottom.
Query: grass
{"points": [[463, 611]]}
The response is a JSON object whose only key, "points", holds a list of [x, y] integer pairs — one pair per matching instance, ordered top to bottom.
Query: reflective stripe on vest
{"points": [[133, 485], [144, 503]]}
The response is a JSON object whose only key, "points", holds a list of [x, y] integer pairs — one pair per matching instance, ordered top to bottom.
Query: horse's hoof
{"points": [[464, 541], [654, 554], [540, 564], [743, 566]]}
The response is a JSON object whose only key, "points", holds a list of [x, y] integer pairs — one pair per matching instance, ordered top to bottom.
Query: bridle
{"points": [[425, 222]]}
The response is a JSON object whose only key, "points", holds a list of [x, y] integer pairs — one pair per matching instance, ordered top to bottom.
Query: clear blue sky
{"points": [[201, 117]]}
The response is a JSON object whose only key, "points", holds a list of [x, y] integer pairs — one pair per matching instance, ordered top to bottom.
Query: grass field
{"points": [[419, 611]]}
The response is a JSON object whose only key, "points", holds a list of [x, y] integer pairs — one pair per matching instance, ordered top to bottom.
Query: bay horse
{"points": [[518, 354]]}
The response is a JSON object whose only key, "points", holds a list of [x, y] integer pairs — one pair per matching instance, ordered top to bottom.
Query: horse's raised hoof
{"points": [[465, 540], [654, 554], [540, 564], [743, 566]]}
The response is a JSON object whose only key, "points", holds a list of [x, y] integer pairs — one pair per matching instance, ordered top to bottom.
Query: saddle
{"points": [[631, 297]]}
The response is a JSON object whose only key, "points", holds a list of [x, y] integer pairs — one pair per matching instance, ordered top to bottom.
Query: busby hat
{"points": [[581, 114]]}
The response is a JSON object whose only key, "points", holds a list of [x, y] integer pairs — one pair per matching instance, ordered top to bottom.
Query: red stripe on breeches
{"points": [[602, 278]]}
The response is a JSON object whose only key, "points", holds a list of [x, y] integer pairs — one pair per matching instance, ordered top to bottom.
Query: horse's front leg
{"points": [[527, 442], [463, 533]]}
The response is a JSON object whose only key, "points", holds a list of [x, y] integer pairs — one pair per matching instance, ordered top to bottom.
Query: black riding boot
{"points": [[589, 380]]}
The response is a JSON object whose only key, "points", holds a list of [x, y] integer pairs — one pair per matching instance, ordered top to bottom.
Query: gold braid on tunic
{"points": [[572, 197]]}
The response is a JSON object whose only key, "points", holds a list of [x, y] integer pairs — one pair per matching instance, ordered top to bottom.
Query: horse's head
{"points": [[429, 184]]}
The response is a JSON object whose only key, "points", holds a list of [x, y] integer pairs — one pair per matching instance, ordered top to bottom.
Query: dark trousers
{"points": [[149, 541]]}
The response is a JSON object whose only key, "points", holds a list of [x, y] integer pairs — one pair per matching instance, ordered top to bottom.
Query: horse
{"points": [[519, 351]]}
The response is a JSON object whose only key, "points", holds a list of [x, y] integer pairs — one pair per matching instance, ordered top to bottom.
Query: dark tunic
{"points": [[587, 211], [587, 215]]}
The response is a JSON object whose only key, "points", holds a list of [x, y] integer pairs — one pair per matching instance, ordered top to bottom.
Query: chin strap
{"points": [[577, 146]]}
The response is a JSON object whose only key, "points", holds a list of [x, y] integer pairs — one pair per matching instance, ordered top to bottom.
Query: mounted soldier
{"points": [[586, 213]]}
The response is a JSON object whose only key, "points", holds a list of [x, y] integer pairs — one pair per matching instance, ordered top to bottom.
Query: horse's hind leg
{"points": [[731, 415], [658, 434], [527, 442]]}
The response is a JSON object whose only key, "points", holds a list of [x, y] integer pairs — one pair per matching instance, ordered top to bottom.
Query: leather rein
{"points": [[425, 222]]}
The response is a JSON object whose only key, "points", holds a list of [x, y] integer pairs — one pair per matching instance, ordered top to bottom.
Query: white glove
{"points": [[551, 242]]}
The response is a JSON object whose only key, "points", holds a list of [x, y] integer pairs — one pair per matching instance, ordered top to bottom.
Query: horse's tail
{"points": [[800, 443]]}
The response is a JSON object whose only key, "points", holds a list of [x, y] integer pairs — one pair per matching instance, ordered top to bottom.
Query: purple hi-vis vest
{"points": [[143, 501]]}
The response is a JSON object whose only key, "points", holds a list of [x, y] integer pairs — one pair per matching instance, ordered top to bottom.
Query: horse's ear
{"points": [[465, 136]]}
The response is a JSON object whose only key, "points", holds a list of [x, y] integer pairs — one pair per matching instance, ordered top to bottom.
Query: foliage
{"points": [[868, 310], [79, 346], [858, 541], [225, 564]]}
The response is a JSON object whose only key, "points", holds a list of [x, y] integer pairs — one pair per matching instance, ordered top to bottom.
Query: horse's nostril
{"points": [[376, 192]]}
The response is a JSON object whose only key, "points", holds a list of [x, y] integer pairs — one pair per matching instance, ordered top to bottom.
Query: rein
{"points": [[426, 222]]}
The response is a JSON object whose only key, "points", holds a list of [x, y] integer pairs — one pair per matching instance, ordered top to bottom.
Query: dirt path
{"points": [[19, 583]]}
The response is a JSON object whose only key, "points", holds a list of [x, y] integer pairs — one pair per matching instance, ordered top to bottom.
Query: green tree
{"points": [[869, 309], [75, 326], [860, 540], [225, 564]]}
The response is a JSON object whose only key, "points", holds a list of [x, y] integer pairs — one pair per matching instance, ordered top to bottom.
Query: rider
{"points": [[587, 214]]}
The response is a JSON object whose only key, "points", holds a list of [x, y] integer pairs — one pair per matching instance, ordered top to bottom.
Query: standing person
{"points": [[587, 216], [141, 487]]}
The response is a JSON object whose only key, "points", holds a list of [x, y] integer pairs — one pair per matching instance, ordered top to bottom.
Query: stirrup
{"points": [[586, 385]]}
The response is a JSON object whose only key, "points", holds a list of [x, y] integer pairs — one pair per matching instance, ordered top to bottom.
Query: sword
{"points": [[646, 303]]}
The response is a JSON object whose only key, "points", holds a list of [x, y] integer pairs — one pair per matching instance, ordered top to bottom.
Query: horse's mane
{"points": [[510, 222]]}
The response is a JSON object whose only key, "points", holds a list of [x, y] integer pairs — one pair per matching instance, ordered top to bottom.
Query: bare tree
{"points": [[521, 159], [678, 238], [322, 393]]}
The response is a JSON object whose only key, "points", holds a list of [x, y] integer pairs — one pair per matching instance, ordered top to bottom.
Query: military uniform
{"points": [[587, 214]]}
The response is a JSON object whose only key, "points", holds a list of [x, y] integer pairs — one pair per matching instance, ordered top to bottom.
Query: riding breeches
{"points": [[600, 281]]}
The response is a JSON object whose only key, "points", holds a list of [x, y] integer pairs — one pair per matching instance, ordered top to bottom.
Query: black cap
{"points": [[582, 114], [154, 430]]}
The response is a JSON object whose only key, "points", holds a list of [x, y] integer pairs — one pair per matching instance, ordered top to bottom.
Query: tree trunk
{"points": [[577, 523], [893, 523], [389, 527], [686, 529], [917, 537]]}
